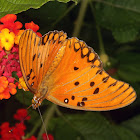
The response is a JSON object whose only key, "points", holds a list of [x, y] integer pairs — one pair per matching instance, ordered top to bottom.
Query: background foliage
{"points": [[112, 28]]}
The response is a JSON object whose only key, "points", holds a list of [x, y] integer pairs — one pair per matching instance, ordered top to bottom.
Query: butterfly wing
{"points": [[34, 55], [79, 82]]}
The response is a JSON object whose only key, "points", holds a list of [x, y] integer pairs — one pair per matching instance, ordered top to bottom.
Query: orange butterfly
{"points": [[69, 73]]}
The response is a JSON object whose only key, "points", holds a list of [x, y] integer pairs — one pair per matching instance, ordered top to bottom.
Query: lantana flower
{"points": [[9, 21], [33, 26], [10, 32], [7, 39], [6, 88], [21, 115]]}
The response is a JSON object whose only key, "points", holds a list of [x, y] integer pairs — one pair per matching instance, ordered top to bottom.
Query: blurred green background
{"points": [[112, 28]]}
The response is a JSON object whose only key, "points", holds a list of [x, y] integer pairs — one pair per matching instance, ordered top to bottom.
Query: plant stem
{"points": [[63, 15], [80, 18], [101, 45], [102, 50], [48, 114], [37, 124]]}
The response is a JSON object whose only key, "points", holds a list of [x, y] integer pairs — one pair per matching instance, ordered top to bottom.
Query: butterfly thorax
{"points": [[47, 82], [39, 96]]}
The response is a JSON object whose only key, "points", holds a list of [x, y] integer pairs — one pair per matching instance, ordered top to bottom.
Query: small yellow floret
{"points": [[7, 39], [22, 84]]}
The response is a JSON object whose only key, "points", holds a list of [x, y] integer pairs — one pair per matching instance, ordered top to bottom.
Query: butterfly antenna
{"points": [[29, 107], [20, 121], [43, 122]]}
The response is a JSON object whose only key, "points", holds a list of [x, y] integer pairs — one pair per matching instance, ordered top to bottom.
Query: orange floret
{"points": [[18, 36], [3, 83], [6, 88]]}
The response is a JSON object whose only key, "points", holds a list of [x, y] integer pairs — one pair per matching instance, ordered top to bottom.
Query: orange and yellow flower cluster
{"points": [[10, 32]]}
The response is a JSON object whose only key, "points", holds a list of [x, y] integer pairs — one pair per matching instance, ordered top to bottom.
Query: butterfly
{"points": [[69, 73]]}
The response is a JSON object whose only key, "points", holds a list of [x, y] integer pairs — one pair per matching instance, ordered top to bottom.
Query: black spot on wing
{"points": [[34, 57], [76, 68], [105, 79], [76, 83], [92, 84], [96, 91], [72, 97], [84, 99]]}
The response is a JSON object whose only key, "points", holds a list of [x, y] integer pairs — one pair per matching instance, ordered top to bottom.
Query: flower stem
{"points": [[80, 18], [103, 56], [48, 114]]}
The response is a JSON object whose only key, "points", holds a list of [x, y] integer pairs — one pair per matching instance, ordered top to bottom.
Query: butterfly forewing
{"points": [[36, 55]]}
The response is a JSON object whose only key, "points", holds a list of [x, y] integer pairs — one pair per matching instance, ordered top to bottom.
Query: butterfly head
{"points": [[36, 102]]}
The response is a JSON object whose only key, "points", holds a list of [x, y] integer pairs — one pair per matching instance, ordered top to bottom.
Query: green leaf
{"points": [[65, 1], [17, 6], [49, 12], [122, 17], [125, 35], [129, 68], [24, 97], [133, 125], [90, 126], [125, 134]]}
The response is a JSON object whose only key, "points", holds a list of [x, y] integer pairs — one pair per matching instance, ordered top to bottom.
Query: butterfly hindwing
{"points": [[79, 82]]}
